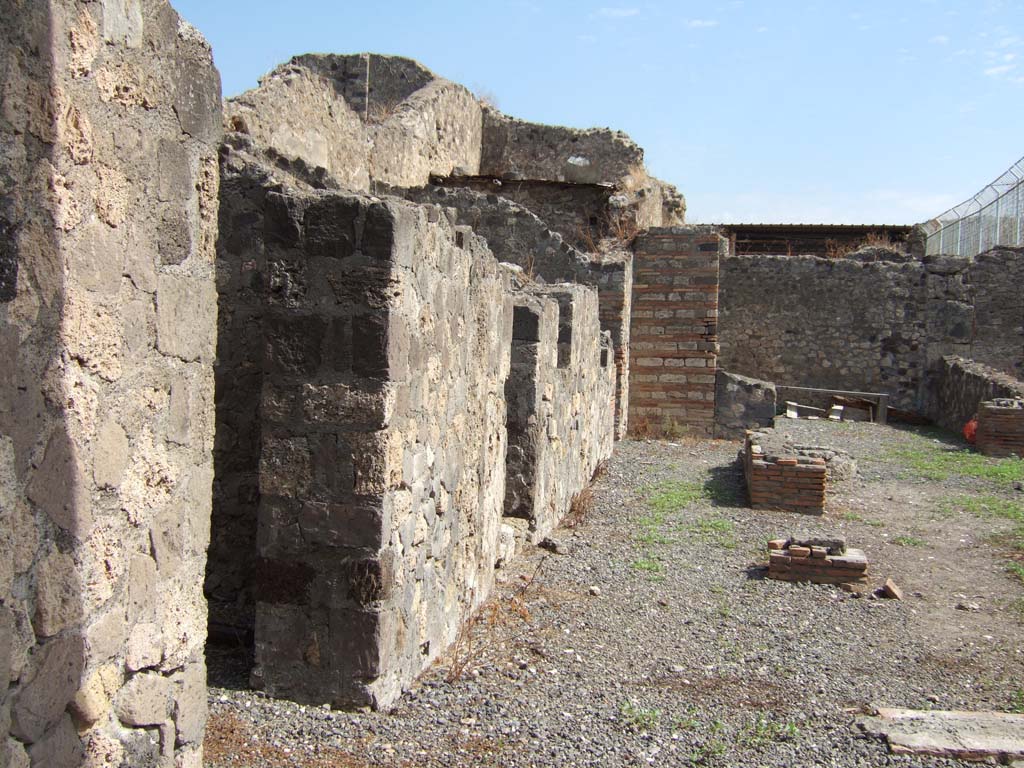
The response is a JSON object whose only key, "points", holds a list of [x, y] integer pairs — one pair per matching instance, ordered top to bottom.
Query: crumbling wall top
{"points": [[518, 148]]}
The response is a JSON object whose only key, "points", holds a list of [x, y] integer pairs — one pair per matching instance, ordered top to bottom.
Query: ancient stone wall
{"points": [[314, 109], [109, 126], [517, 148], [580, 213], [517, 236], [997, 281], [244, 282], [832, 323], [868, 326], [386, 337], [673, 339], [957, 386], [560, 403], [742, 403]]}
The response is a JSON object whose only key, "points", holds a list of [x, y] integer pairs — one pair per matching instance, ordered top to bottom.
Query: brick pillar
{"points": [[673, 335]]}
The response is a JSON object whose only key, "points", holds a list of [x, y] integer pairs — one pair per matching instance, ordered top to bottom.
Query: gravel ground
{"points": [[656, 639]]}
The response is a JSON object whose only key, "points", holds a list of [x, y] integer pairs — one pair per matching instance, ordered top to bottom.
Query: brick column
{"points": [[673, 337]]}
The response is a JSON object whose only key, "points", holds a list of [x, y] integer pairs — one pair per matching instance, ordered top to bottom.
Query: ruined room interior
{"points": [[301, 370]]}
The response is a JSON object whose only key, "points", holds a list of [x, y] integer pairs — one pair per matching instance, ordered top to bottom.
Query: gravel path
{"points": [[656, 640]]}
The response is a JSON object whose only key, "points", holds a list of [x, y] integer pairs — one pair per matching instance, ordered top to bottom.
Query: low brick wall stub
{"points": [[1001, 427], [780, 478], [816, 560]]}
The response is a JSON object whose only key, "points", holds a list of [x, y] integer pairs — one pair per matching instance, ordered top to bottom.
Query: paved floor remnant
{"points": [[963, 735]]}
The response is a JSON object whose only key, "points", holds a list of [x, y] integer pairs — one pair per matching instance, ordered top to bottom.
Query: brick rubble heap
{"points": [[822, 561]]}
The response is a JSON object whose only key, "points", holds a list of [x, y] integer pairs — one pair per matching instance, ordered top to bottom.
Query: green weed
{"points": [[934, 462], [674, 496], [985, 505], [716, 529], [908, 541], [649, 565], [1016, 569], [1017, 702], [639, 717], [689, 722], [763, 731]]}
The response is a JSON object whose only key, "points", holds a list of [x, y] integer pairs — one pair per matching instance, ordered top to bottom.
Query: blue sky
{"points": [[812, 111]]}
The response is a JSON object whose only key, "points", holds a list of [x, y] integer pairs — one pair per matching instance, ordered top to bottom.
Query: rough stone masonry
{"points": [[109, 127], [377, 377], [378, 453]]}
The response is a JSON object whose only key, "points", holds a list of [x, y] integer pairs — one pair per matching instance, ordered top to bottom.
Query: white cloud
{"points": [[617, 13], [701, 23], [762, 29], [939, 40], [1002, 69]]}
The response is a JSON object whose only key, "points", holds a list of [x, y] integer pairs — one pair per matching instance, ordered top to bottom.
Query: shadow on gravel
{"points": [[949, 439], [725, 487], [757, 572], [228, 664]]}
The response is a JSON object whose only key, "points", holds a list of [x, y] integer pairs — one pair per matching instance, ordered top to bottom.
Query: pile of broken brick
{"points": [[819, 560]]}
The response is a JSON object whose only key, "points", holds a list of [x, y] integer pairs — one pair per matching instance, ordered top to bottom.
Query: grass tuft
{"points": [[933, 461], [908, 541]]}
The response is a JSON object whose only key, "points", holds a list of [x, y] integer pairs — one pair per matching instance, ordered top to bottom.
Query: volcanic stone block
{"points": [[384, 472]]}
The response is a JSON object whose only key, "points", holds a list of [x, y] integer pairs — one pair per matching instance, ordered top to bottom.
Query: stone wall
{"points": [[314, 109], [517, 148], [108, 200], [581, 213], [517, 236], [244, 281], [997, 281], [831, 323], [875, 326], [386, 336], [673, 339], [956, 387], [560, 396], [742, 403]]}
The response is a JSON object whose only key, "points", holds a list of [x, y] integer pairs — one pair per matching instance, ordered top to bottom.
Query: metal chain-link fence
{"points": [[994, 216]]}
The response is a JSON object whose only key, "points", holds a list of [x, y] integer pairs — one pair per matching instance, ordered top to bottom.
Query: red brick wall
{"points": [[673, 338], [1001, 427]]}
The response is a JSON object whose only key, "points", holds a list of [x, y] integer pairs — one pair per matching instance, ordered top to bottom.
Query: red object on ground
{"points": [[971, 431]]}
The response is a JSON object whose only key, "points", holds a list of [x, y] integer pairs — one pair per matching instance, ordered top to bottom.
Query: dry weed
{"points": [[579, 508], [497, 613]]}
